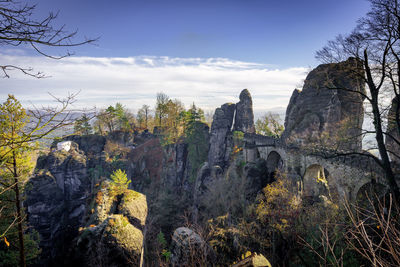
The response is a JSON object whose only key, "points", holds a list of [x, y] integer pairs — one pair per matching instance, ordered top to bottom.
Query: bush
{"points": [[119, 181]]}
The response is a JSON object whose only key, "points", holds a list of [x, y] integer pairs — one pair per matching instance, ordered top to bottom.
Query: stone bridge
{"points": [[320, 113], [349, 176]]}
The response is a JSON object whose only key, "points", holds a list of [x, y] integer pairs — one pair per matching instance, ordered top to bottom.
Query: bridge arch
{"points": [[274, 164], [316, 181], [370, 190]]}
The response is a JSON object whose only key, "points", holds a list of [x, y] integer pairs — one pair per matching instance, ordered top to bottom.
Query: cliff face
{"points": [[328, 111], [244, 117], [228, 118], [220, 136], [394, 137], [64, 196], [56, 199], [113, 235]]}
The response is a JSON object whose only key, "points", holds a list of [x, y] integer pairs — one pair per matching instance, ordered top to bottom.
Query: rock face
{"points": [[328, 111], [229, 117], [244, 117], [220, 136], [390, 141], [56, 199], [113, 236], [187, 247]]}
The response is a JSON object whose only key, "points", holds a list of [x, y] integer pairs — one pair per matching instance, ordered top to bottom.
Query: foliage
{"points": [[161, 108], [144, 117], [114, 118], [269, 124], [82, 125], [196, 138], [15, 166], [119, 181], [223, 237], [163, 245], [9, 255]]}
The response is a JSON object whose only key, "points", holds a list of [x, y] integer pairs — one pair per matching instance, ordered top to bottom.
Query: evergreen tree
{"points": [[82, 125], [15, 167], [119, 181]]}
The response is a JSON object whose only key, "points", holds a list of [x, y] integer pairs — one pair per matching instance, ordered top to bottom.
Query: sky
{"points": [[198, 51]]}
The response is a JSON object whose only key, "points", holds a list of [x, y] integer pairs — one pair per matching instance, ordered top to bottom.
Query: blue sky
{"points": [[284, 33], [185, 48]]}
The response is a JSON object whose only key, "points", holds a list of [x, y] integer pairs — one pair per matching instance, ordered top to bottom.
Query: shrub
{"points": [[119, 181]]}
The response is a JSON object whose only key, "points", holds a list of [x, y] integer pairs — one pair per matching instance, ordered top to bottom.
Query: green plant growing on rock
{"points": [[270, 124], [119, 182]]}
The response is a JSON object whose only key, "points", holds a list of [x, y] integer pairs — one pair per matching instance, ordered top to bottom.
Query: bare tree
{"points": [[19, 27], [375, 43], [375, 231]]}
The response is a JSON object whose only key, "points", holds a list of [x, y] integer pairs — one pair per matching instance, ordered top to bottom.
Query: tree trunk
{"points": [[386, 165], [22, 261]]}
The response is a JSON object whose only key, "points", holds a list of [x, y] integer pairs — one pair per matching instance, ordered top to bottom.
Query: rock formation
{"points": [[328, 111], [236, 117], [244, 117], [220, 135], [390, 141], [56, 199], [57, 204], [113, 235], [187, 247]]}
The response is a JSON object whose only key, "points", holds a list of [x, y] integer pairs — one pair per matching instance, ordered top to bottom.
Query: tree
{"points": [[19, 26], [375, 43], [161, 107], [143, 116], [124, 118], [269, 124], [82, 125], [19, 128], [17, 164], [119, 181]]}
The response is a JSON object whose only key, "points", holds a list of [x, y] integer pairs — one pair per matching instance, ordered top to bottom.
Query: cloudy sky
{"points": [[198, 51]]}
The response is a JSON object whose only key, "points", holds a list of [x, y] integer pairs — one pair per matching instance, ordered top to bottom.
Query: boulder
{"points": [[329, 110], [113, 236], [187, 247]]}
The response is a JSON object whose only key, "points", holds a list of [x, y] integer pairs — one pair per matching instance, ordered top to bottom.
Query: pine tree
{"points": [[82, 125], [15, 165], [119, 181]]}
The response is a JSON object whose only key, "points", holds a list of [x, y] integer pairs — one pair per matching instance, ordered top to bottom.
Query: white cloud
{"points": [[135, 81]]}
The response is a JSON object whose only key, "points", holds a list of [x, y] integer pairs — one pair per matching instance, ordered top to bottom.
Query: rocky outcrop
{"points": [[329, 110], [229, 117], [244, 117], [220, 135], [394, 137], [56, 200], [113, 236], [188, 248], [255, 260]]}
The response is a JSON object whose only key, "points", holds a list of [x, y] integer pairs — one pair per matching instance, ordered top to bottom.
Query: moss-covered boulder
{"points": [[134, 206], [113, 235]]}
